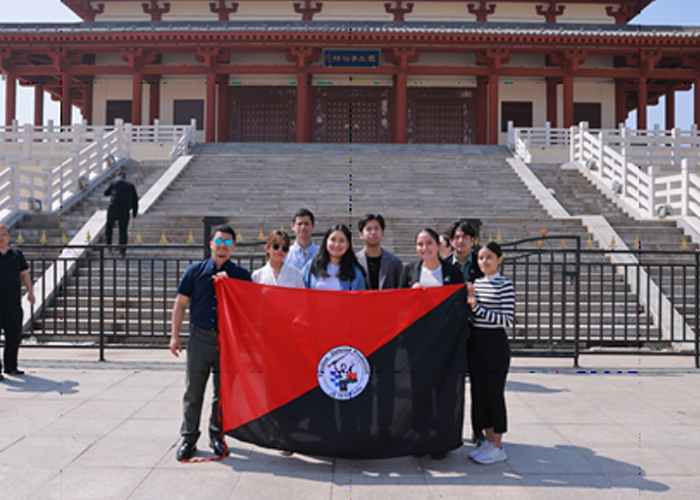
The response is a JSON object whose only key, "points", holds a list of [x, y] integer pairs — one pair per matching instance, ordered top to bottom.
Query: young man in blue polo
{"points": [[197, 289]]}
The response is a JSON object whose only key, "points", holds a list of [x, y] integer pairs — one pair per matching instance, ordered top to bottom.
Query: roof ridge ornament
{"points": [[85, 10], [154, 10], [627, 10], [223, 11], [307, 11], [399, 11], [482, 12], [552, 12]]}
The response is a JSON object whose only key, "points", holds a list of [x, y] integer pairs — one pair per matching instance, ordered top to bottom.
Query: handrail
{"points": [[47, 166]]}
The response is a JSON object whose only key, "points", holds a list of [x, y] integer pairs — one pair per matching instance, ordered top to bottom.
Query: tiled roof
{"points": [[358, 27]]}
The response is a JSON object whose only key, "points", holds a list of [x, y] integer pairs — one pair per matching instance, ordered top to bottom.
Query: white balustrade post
{"points": [[582, 129], [156, 131], [547, 134], [511, 136], [27, 139], [125, 140], [572, 144], [677, 146], [599, 151], [15, 170], [46, 180], [685, 186], [651, 190]]}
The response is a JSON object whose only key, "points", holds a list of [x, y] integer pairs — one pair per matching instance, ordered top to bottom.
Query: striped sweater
{"points": [[495, 298]]}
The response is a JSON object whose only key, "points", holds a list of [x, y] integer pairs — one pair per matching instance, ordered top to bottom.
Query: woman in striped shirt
{"points": [[492, 299]]}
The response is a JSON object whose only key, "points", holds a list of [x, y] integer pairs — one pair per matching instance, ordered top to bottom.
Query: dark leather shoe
{"points": [[14, 372], [1, 377], [218, 447], [185, 451], [438, 455]]}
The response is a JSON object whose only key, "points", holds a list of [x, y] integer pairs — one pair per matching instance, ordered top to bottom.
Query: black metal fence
{"points": [[568, 298]]}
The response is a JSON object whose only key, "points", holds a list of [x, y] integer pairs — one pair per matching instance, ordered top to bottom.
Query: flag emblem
{"points": [[343, 373]]}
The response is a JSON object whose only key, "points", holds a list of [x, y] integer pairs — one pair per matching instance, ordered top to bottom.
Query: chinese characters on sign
{"points": [[350, 58]]}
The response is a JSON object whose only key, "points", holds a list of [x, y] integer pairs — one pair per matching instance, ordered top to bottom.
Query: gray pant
{"points": [[202, 357]]}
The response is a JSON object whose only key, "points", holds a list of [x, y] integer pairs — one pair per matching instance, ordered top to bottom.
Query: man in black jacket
{"points": [[123, 199]]}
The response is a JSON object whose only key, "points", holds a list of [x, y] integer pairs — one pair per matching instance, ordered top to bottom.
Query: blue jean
{"points": [[202, 358]]}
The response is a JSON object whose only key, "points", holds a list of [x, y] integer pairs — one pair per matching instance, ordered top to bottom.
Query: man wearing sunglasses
{"points": [[197, 289]]}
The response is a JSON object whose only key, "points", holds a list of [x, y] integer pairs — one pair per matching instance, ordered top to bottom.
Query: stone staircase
{"points": [[258, 188], [579, 197]]}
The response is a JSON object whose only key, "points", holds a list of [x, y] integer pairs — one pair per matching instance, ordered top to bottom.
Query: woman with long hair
{"points": [[334, 267], [429, 271], [276, 272], [492, 299]]}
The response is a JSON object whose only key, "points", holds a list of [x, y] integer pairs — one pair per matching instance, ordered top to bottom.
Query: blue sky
{"points": [[661, 12]]}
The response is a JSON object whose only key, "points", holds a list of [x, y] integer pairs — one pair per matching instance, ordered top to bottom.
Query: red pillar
{"points": [[552, 84], [10, 98], [136, 98], [696, 98], [154, 99], [66, 101], [87, 101], [568, 101], [620, 102], [39, 104], [642, 104], [303, 106], [400, 108], [493, 108], [670, 109], [210, 113], [482, 117], [222, 127]]}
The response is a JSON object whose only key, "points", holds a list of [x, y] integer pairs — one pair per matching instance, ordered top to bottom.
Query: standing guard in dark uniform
{"points": [[123, 199], [13, 272], [197, 288]]}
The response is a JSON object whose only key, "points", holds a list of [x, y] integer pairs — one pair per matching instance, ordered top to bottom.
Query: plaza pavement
{"points": [[76, 428]]}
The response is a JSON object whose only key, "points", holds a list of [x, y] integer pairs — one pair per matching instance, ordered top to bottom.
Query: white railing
{"points": [[521, 140], [42, 168], [653, 172]]}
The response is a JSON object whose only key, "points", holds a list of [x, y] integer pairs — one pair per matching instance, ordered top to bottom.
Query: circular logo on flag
{"points": [[343, 372]]}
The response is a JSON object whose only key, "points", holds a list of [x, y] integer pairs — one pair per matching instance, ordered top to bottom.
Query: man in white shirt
{"points": [[303, 249]]}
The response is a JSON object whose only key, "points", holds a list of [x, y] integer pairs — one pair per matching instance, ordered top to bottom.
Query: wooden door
{"points": [[349, 114]]}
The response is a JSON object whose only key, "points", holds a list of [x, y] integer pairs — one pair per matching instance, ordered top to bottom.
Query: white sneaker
{"points": [[485, 446], [491, 456]]}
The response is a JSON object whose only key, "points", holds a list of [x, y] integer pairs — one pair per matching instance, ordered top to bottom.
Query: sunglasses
{"points": [[228, 241], [277, 246]]}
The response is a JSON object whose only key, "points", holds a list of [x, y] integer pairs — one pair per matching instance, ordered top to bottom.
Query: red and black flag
{"points": [[343, 374]]}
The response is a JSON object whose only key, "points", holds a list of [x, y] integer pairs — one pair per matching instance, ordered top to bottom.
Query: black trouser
{"points": [[123, 219], [11, 326], [202, 358], [489, 361]]}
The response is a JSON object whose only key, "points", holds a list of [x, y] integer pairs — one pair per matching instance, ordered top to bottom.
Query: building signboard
{"points": [[351, 58]]}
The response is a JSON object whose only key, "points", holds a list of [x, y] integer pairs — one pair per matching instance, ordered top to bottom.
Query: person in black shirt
{"points": [[123, 199], [383, 268], [13, 273], [197, 289]]}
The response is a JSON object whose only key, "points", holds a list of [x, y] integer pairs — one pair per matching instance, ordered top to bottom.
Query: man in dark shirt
{"points": [[123, 198], [463, 236], [382, 268], [13, 273], [197, 288]]}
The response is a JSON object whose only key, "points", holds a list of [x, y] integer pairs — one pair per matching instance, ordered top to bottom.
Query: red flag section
{"points": [[272, 338]]}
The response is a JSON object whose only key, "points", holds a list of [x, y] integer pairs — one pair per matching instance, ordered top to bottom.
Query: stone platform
{"points": [[616, 428]]}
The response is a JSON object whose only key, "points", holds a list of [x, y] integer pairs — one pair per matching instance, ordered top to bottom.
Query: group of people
{"points": [[334, 265]]}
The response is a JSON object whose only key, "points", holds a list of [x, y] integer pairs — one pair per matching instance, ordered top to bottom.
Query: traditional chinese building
{"points": [[424, 71]]}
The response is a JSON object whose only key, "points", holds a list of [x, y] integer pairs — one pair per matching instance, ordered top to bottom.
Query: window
{"points": [[118, 109], [186, 109], [518, 112], [587, 112]]}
